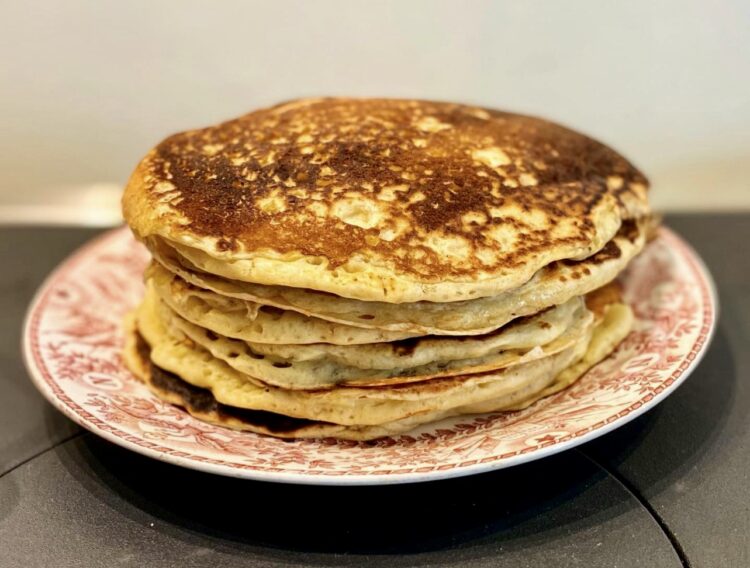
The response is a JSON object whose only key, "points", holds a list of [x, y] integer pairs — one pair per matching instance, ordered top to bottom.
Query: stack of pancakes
{"points": [[356, 268]]}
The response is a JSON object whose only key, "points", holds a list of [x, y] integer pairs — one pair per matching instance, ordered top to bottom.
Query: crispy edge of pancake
{"points": [[552, 285], [256, 325], [612, 329], [330, 375]]}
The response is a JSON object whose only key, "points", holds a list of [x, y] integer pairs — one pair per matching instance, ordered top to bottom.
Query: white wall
{"points": [[86, 87]]}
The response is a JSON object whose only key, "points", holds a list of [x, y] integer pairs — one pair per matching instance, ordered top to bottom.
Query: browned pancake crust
{"points": [[250, 182], [599, 300], [201, 402]]}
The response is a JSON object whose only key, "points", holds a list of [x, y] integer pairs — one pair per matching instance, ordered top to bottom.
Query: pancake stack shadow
{"points": [[512, 507]]}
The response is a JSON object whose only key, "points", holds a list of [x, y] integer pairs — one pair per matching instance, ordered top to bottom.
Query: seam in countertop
{"points": [[42, 452], [630, 488], [671, 537]]}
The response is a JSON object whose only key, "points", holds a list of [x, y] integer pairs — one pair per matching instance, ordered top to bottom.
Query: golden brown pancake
{"points": [[382, 199], [358, 267], [555, 284], [203, 404]]}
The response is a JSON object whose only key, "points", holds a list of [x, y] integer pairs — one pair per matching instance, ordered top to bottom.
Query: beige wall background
{"points": [[86, 87]]}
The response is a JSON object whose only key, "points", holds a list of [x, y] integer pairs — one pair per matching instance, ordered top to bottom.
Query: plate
{"points": [[73, 338]]}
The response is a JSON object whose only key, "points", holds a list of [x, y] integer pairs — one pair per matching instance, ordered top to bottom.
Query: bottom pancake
{"points": [[201, 403]]}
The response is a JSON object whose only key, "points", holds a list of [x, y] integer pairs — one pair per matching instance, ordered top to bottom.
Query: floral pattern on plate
{"points": [[73, 338]]}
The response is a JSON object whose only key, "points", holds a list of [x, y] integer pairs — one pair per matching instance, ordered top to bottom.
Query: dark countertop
{"points": [[672, 488]]}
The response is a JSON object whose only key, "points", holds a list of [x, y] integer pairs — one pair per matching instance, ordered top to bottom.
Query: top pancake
{"points": [[387, 200]]}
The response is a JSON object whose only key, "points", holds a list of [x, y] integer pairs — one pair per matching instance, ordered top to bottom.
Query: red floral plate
{"points": [[73, 337]]}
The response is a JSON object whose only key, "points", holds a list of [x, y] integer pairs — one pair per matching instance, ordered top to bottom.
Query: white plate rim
{"points": [[233, 470]]}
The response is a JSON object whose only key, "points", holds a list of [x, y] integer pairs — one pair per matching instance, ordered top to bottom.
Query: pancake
{"points": [[393, 201], [359, 267], [552, 285], [230, 317], [258, 323], [521, 333], [325, 373], [201, 403], [344, 405]]}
